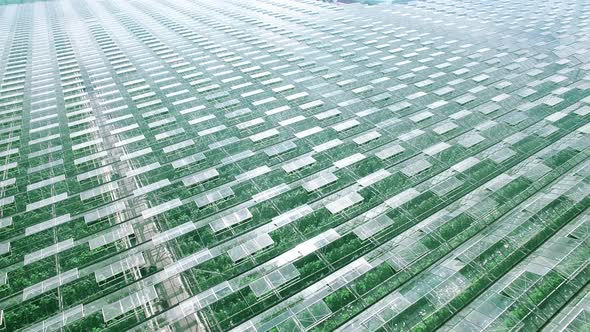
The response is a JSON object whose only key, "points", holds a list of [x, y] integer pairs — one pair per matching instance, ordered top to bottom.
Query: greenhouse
{"points": [[302, 165]]}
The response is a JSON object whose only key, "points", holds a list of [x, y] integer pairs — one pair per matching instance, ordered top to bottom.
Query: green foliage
{"points": [[561, 157], [512, 189], [454, 226], [343, 250], [373, 278], [339, 299], [32, 311]]}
